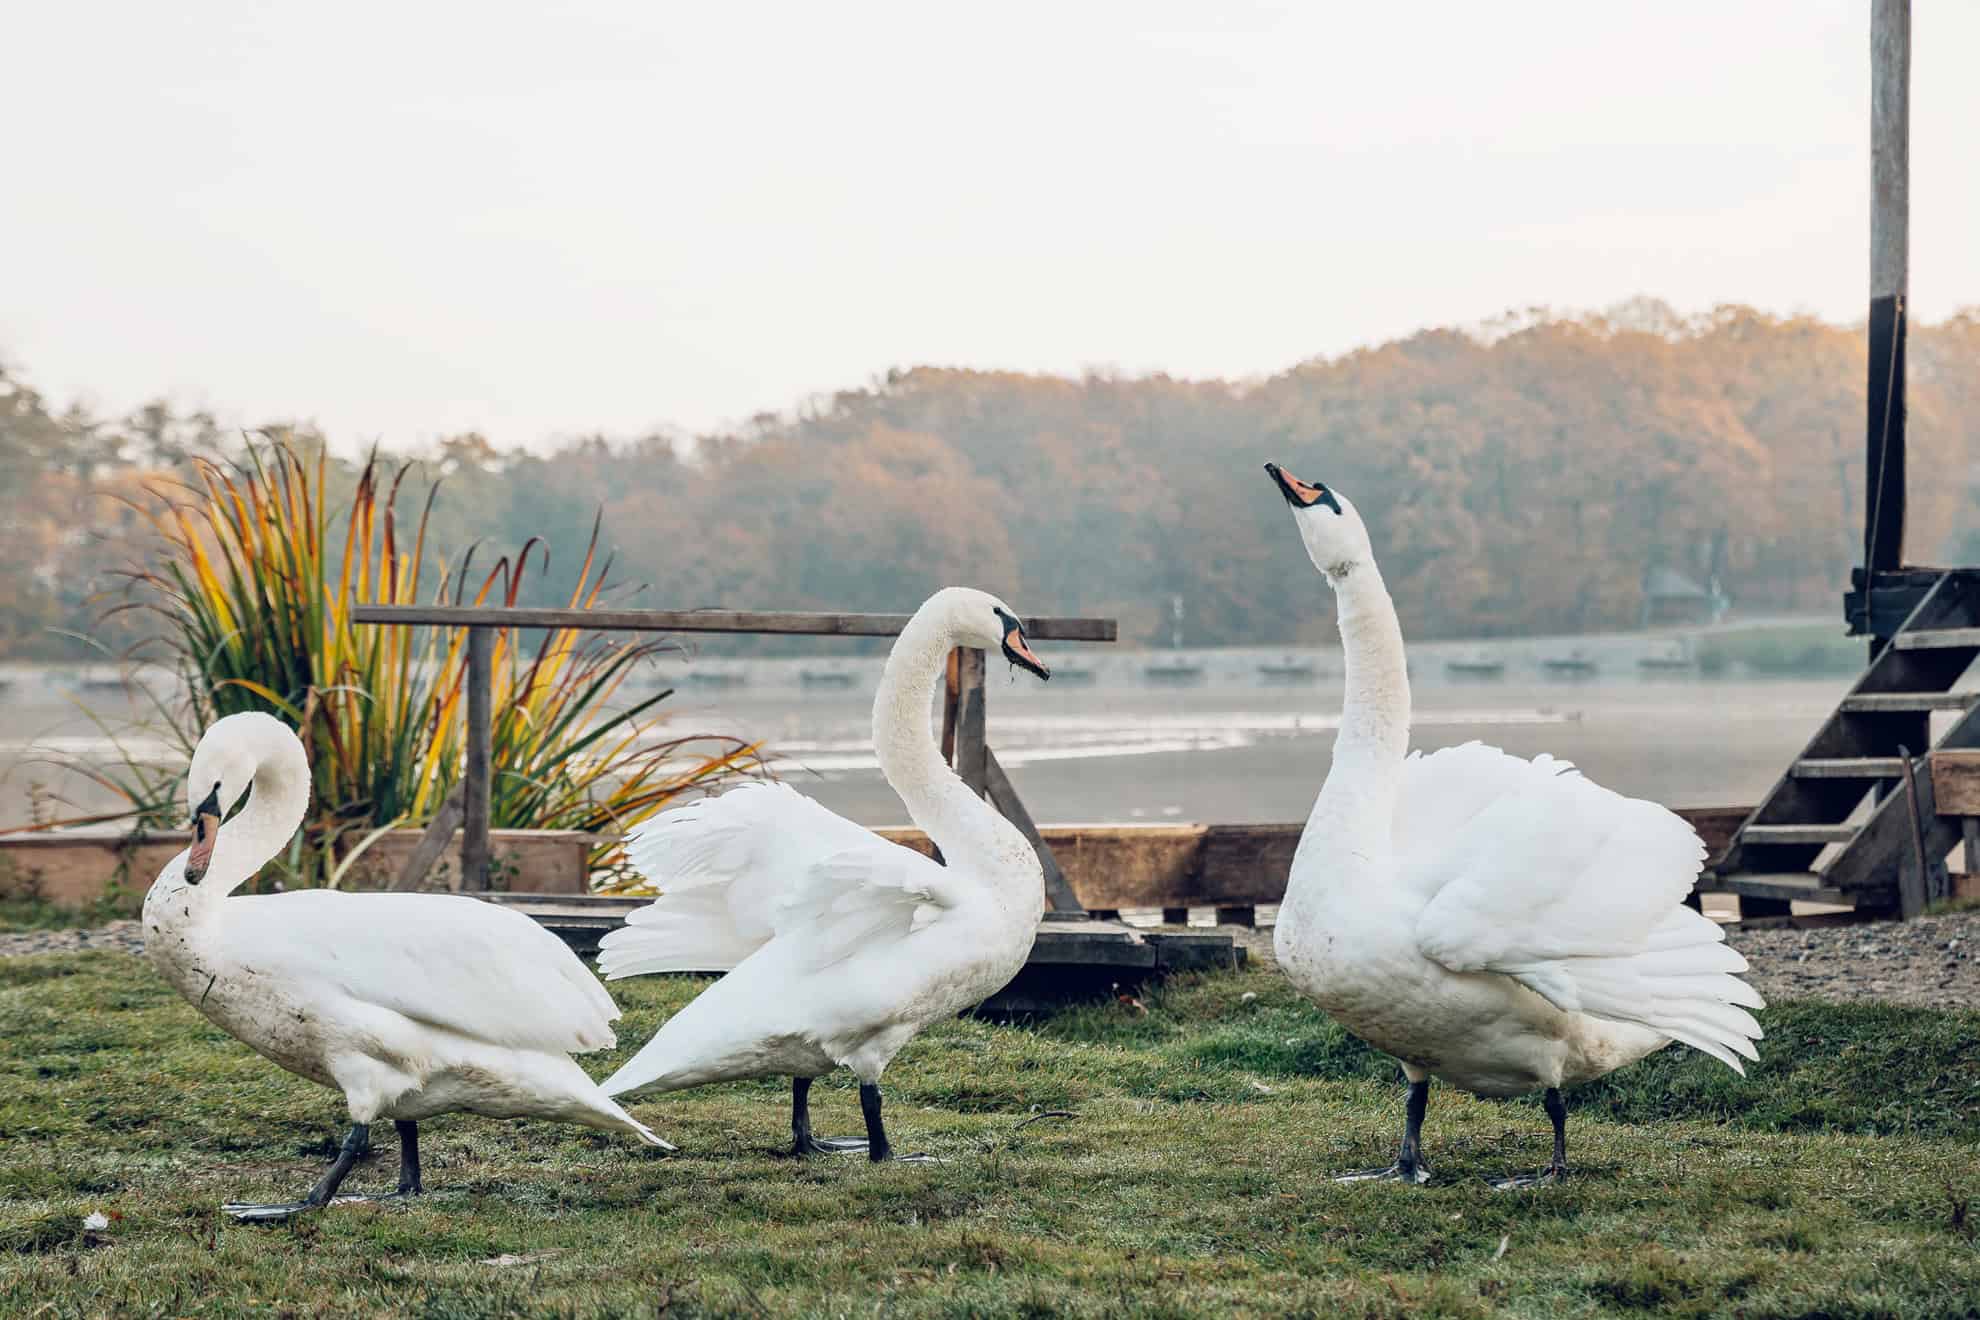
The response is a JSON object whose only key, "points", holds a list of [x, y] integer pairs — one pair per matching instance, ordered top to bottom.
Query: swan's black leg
{"points": [[1557, 1111], [356, 1141], [802, 1142], [877, 1147], [1409, 1166], [409, 1184]]}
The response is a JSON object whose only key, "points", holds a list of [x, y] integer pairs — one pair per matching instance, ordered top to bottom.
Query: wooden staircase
{"points": [[1846, 791]]}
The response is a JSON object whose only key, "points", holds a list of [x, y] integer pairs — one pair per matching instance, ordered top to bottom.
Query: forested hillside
{"points": [[1517, 479]]}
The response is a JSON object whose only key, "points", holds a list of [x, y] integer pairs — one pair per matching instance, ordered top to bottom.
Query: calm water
{"points": [[1235, 743]]}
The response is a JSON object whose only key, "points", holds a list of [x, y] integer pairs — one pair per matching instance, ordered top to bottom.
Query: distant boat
{"points": [[1674, 658], [1475, 664], [1575, 664], [1290, 669], [1172, 671], [1077, 676], [717, 678], [827, 678], [96, 680]]}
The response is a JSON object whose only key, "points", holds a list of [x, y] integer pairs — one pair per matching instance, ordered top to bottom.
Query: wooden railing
{"points": [[962, 724]]}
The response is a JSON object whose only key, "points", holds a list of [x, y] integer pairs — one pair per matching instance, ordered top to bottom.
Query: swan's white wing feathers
{"points": [[760, 861], [1577, 892], [447, 962]]}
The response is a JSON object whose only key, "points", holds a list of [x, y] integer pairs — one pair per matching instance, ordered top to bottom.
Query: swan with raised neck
{"points": [[1499, 922], [412, 1005]]}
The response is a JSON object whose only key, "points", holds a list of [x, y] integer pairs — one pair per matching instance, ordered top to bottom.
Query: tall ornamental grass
{"points": [[255, 585]]}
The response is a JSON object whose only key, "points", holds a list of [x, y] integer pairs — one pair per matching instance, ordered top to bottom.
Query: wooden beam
{"points": [[1040, 629], [971, 749], [474, 775], [1956, 782], [439, 833], [1058, 894]]}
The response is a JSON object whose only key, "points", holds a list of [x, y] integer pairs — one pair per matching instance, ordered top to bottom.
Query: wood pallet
{"points": [[1861, 787], [1070, 960]]}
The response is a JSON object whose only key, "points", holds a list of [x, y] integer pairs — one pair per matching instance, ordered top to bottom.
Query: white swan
{"points": [[1500, 923], [842, 944], [412, 1005]]}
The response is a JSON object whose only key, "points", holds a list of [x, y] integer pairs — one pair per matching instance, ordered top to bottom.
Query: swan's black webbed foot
{"points": [[356, 1141], [802, 1142], [878, 1149], [1410, 1166], [1557, 1168], [1416, 1173]]}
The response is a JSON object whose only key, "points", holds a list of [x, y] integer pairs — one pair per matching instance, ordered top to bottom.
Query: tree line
{"points": [[1518, 477]]}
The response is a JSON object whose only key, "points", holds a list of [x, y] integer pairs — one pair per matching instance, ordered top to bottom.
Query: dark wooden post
{"points": [[1890, 259], [971, 749], [474, 777]]}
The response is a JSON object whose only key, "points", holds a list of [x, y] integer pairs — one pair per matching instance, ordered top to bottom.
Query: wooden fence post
{"points": [[972, 761], [474, 803]]}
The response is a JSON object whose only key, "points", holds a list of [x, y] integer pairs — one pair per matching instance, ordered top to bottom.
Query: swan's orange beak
{"points": [[1301, 494], [1018, 651], [206, 829]]}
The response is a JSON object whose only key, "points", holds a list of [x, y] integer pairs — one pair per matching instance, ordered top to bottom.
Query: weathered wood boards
{"points": [[782, 622]]}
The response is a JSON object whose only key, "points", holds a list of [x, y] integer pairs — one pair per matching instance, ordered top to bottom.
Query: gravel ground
{"points": [[1929, 962], [1932, 962]]}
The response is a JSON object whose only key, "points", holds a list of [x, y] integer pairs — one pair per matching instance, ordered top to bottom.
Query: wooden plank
{"points": [[1890, 281], [1041, 628], [1938, 639], [1863, 703], [972, 752], [1849, 767], [475, 774], [1956, 782], [1716, 826], [1799, 833], [438, 834], [1915, 879], [1805, 887], [1059, 895]]}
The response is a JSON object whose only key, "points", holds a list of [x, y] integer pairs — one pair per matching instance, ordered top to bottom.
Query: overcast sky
{"points": [[409, 219]]}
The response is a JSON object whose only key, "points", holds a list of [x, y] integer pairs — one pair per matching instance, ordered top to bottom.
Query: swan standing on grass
{"points": [[1500, 923], [842, 944], [412, 1005]]}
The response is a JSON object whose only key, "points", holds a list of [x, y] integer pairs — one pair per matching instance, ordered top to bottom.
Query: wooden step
{"points": [[1937, 639], [1904, 702], [1849, 767], [1797, 834], [1804, 886]]}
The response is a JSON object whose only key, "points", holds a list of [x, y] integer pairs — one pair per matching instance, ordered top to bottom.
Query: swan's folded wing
{"points": [[1444, 791], [759, 861], [1577, 892], [450, 963]]}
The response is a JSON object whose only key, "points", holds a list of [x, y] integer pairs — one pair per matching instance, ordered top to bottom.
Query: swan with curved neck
{"points": [[1501, 923], [839, 946], [412, 1005]]}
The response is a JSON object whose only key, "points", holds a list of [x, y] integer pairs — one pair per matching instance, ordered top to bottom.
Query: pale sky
{"points": [[409, 219]]}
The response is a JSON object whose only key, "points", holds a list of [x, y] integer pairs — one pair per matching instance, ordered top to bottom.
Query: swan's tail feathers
{"points": [[692, 930], [1684, 983], [647, 1135]]}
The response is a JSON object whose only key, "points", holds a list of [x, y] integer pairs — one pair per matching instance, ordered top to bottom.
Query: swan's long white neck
{"points": [[939, 803], [1357, 804], [263, 827]]}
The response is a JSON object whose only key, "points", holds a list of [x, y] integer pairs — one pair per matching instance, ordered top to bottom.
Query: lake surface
{"points": [[1247, 739]]}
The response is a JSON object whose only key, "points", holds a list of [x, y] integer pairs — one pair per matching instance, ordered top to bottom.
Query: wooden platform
{"points": [[1072, 960]]}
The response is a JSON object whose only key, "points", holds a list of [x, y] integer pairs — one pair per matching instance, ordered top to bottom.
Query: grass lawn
{"points": [[1192, 1177]]}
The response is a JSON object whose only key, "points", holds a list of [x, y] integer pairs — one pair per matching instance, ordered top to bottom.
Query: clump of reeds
{"points": [[255, 584]]}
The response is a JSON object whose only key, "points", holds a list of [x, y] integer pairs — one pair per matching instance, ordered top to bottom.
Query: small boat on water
{"points": [[1673, 658], [1475, 664], [1574, 664], [1288, 669], [1173, 671], [835, 676], [1076, 676], [717, 678]]}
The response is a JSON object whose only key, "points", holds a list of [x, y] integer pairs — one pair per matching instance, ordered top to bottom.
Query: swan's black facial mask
{"points": [[1298, 493], [1017, 650], [206, 829]]}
